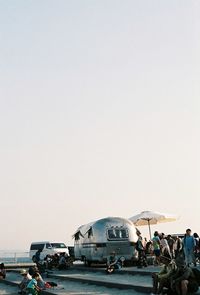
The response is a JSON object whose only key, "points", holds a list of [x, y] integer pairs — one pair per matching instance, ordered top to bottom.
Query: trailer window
{"points": [[90, 232], [117, 234], [77, 235]]}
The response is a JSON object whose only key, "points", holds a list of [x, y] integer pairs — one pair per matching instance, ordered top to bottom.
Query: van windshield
{"points": [[58, 245]]}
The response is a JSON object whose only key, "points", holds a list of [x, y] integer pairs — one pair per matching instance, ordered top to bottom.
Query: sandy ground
{"points": [[68, 287], [71, 288], [75, 288], [8, 290]]}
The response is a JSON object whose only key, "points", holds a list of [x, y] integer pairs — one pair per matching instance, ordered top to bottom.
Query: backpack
{"points": [[137, 245]]}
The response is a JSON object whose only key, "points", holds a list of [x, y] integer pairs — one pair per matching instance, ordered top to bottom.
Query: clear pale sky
{"points": [[99, 115]]}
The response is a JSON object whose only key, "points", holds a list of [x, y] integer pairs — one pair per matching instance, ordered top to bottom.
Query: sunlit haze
{"points": [[99, 115]]}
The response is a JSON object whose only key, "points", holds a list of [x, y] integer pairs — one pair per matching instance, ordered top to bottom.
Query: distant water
{"points": [[14, 257]]}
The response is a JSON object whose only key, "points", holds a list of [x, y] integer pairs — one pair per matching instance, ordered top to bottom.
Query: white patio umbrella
{"points": [[150, 217]]}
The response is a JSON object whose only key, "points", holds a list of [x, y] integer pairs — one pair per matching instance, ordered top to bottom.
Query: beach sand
{"points": [[68, 287], [8, 290]]}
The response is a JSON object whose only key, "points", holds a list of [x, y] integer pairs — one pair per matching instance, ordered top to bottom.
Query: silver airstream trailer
{"points": [[95, 241]]}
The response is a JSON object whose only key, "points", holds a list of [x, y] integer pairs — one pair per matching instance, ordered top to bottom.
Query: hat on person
{"points": [[165, 257], [180, 262], [23, 272]]}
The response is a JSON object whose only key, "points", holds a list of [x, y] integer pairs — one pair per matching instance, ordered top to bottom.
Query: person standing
{"points": [[171, 243], [164, 245], [177, 246], [156, 247], [188, 247], [196, 248], [37, 257], [142, 261]]}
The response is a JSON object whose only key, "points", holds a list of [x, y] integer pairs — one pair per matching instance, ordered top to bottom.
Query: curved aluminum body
{"points": [[95, 241]]}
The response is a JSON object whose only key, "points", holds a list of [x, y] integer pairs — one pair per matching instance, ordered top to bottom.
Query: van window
{"points": [[117, 234], [58, 245], [48, 246], [37, 247]]}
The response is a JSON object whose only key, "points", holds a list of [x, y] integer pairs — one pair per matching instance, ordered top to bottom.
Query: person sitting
{"points": [[36, 257], [55, 260], [39, 262], [48, 262], [113, 262], [62, 263], [2, 271], [26, 278], [161, 280], [184, 280], [40, 282], [32, 287]]}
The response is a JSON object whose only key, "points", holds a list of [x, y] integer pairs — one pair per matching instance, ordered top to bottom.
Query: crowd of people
{"points": [[162, 244], [178, 258], [60, 261], [175, 277], [32, 282]]}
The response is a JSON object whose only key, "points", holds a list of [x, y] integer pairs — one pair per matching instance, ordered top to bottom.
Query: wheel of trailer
{"points": [[71, 261], [87, 262]]}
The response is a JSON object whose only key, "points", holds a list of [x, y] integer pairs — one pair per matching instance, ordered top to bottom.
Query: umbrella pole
{"points": [[149, 229]]}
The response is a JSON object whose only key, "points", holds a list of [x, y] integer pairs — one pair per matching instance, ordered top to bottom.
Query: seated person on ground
{"points": [[113, 262], [62, 264], [2, 271], [26, 278], [161, 280], [184, 280], [32, 287]]}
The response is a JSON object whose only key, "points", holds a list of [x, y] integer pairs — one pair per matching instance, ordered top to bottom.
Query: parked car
{"points": [[48, 248]]}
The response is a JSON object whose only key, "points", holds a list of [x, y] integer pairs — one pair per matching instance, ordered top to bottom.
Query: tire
{"points": [[87, 262]]}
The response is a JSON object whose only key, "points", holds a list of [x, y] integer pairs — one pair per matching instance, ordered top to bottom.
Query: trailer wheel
{"points": [[87, 262]]}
